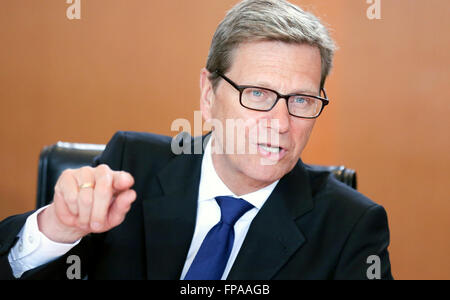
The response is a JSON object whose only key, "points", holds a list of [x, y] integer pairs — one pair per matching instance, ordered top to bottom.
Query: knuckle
{"points": [[103, 168], [86, 169], [67, 172], [64, 175], [104, 177], [57, 189]]}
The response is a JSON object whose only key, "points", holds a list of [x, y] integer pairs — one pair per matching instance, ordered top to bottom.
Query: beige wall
{"points": [[134, 65]]}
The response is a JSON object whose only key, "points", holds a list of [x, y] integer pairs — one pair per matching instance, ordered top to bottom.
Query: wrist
{"points": [[55, 230]]}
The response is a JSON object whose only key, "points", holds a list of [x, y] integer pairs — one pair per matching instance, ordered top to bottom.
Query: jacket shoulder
{"points": [[142, 139], [127, 147], [339, 196], [350, 225]]}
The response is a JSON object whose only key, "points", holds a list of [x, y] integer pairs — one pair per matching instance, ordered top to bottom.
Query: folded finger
{"points": [[86, 184], [66, 190], [103, 194]]}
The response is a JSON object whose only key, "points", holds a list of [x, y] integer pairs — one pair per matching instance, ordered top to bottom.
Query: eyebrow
{"points": [[263, 84]]}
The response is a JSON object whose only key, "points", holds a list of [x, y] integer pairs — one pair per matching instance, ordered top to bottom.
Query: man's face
{"points": [[286, 68]]}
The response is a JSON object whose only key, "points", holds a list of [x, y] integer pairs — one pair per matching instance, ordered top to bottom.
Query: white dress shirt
{"points": [[208, 211], [34, 248]]}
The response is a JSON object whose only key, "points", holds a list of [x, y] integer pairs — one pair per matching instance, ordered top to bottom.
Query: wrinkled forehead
{"points": [[286, 67]]}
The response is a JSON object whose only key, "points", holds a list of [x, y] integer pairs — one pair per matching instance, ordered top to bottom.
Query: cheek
{"points": [[221, 109], [226, 109], [301, 131]]}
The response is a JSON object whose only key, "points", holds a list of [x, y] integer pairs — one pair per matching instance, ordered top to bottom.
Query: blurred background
{"points": [[135, 65]]}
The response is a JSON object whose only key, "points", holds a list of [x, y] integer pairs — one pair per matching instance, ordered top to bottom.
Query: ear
{"points": [[206, 95]]}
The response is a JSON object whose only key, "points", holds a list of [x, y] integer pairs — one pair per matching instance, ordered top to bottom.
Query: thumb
{"points": [[120, 207]]}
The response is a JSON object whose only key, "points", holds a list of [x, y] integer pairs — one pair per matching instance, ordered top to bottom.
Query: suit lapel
{"points": [[170, 210], [169, 216], [273, 236]]}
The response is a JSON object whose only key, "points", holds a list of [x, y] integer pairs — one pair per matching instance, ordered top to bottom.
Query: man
{"points": [[259, 214]]}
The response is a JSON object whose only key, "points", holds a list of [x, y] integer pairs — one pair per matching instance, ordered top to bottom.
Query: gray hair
{"points": [[268, 20]]}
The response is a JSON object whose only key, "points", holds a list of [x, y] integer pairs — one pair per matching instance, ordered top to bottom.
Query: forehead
{"points": [[277, 65]]}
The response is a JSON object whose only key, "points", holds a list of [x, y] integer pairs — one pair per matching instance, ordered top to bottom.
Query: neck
{"points": [[235, 180]]}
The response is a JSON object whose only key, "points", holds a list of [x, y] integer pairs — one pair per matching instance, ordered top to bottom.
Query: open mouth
{"points": [[270, 148], [271, 152]]}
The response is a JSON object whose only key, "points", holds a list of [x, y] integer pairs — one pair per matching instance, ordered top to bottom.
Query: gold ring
{"points": [[86, 185]]}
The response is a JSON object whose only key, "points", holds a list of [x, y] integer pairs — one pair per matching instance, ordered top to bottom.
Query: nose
{"points": [[280, 112]]}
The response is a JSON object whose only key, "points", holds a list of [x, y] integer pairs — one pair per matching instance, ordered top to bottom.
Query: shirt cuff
{"points": [[33, 248]]}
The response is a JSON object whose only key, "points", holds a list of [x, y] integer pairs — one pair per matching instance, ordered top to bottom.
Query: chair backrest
{"points": [[54, 159]]}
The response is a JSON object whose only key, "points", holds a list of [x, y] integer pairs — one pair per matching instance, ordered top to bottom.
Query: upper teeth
{"points": [[270, 149]]}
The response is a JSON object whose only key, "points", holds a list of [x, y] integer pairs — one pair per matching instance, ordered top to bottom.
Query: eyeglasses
{"points": [[263, 99]]}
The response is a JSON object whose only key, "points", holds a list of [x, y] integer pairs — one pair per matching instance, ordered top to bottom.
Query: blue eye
{"points": [[257, 93], [300, 100]]}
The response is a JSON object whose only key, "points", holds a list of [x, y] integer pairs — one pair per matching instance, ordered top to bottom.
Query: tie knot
{"points": [[232, 208]]}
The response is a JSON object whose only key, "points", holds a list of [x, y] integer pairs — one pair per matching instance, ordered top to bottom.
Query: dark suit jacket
{"points": [[311, 227]]}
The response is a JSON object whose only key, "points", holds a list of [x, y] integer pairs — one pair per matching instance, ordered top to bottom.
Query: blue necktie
{"points": [[212, 257]]}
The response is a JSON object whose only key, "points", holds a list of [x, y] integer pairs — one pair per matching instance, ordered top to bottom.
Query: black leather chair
{"points": [[54, 159]]}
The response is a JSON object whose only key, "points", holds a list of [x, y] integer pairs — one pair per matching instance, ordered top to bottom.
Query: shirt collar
{"points": [[212, 186]]}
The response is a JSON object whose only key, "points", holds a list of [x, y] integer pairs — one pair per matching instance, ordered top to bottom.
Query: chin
{"points": [[263, 171]]}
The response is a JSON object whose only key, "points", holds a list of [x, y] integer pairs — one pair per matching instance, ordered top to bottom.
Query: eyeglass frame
{"points": [[241, 89]]}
